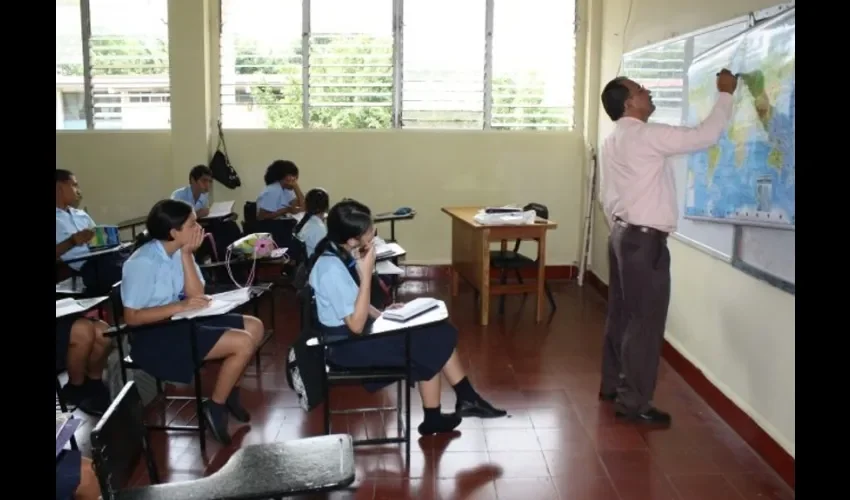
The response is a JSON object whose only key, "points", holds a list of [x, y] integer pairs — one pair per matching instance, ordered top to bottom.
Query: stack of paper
{"points": [[503, 219], [385, 250], [412, 309]]}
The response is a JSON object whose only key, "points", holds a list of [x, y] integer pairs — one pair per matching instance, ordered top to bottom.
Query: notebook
{"points": [[220, 209], [104, 237], [384, 250], [221, 303], [65, 307], [412, 309]]}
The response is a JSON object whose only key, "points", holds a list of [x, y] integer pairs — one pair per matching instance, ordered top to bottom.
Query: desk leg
{"points": [[541, 276]]}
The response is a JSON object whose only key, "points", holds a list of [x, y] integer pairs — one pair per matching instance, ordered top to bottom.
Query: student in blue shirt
{"points": [[197, 192], [282, 195], [74, 229], [311, 229], [224, 232], [340, 275], [162, 279], [81, 349]]}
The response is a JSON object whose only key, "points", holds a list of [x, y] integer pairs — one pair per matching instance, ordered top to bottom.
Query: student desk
{"points": [[471, 256]]}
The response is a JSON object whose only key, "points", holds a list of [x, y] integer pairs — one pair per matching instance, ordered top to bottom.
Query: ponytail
{"points": [[298, 227], [142, 239]]}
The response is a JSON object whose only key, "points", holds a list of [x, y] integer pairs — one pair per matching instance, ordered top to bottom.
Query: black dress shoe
{"points": [[607, 396], [478, 408], [650, 416], [216, 417]]}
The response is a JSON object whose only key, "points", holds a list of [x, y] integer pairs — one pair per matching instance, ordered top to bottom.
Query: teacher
{"points": [[639, 200]]}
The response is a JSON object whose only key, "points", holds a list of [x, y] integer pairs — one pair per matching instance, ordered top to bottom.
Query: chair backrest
{"points": [[541, 210], [249, 213], [117, 304], [118, 441]]}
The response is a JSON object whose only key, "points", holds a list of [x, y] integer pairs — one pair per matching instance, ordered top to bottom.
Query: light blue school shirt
{"points": [[185, 194], [274, 197], [68, 222], [312, 233], [151, 278], [335, 289]]}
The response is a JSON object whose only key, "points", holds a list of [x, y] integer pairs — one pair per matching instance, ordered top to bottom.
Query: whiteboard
{"points": [[765, 253]]}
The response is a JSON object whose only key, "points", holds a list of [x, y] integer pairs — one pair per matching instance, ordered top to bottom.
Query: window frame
{"points": [[397, 110]]}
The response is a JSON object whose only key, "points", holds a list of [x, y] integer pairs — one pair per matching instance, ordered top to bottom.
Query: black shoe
{"points": [[607, 396], [81, 397], [478, 409], [238, 411], [216, 416], [650, 416], [445, 422]]}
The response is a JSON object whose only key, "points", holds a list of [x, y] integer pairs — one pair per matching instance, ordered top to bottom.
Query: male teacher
{"points": [[639, 200]]}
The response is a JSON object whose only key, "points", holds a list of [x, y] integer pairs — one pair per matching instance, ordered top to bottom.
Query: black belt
{"points": [[643, 229]]}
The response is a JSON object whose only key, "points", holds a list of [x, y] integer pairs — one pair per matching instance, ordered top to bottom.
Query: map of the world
{"points": [[748, 177]]}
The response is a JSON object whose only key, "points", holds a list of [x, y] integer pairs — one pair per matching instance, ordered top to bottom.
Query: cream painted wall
{"points": [[124, 173], [738, 330]]}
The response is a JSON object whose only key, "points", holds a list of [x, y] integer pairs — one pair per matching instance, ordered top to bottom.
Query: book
{"points": [[412, 309]]}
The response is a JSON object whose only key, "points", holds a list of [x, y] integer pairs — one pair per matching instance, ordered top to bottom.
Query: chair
{"points": [[249, 217], [506, 260], [127, 363], [338, 376], [62, 404], [276, 470]]}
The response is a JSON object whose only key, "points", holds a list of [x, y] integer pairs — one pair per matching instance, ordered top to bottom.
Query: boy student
{"points": [[196, 194], [74, 229]]}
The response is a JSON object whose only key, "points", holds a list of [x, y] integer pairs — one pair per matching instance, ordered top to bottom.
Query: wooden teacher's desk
{"points": [[471, 256]]}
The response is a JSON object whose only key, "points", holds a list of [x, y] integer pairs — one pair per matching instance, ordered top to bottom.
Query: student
{"points": [[197, 192], [282, 195], [74, 229], [311, 229], [224, 232], [340, 275], [162, 279], [81, 349], [75, 477]]}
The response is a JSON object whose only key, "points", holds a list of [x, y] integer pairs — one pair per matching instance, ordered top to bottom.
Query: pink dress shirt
{"points": [[637, 185]]}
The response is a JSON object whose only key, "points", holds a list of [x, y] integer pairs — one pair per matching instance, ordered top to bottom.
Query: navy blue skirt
{"points": [[430, 348], [166, 352], [68, 466]]}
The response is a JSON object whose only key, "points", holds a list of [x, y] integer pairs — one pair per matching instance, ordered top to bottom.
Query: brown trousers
{"points": [[638, 297]]}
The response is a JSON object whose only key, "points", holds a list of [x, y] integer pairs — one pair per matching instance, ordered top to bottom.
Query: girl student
{"points": [[311, 228], [340, 275], [162, 279]]}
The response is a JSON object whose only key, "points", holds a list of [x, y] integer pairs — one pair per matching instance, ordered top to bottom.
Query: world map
{"points": [[748, 177]]}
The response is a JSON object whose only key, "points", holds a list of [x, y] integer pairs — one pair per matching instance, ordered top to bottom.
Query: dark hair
{"points": [[614, 97], [199, 171], [278, 171], [63, 175], [317, 202], [163, 217], [347, 219]]}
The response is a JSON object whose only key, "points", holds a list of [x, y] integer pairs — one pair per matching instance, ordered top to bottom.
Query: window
{"points": [[127, 47], [261, 64], [351, 64], [376, 64], [443, 64], [533, 64], [663, 68]]}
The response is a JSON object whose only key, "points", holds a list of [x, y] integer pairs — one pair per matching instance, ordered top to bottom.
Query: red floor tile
{"points": [[559, 441]]}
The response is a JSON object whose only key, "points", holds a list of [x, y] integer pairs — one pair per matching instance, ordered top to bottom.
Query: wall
{"points": [[123, 173], [738, 330]]}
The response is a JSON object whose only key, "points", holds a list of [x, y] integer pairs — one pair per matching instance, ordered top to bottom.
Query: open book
{"points": [[220, 209], [220, 303], [411, 310]]}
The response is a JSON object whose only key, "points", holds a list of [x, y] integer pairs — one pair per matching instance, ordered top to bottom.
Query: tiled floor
{"points": [[559, 441]]}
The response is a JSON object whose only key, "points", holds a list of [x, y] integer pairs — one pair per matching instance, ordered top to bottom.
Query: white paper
{"points": [[220, 209], [385, 250], [385, 267], [68, 286], [221, 303], [68, 306], [383, 325]]}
